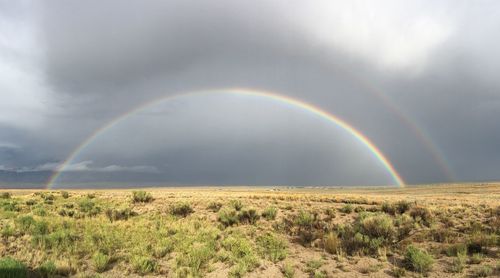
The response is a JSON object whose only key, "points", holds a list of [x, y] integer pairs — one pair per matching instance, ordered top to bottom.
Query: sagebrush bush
{"points": [[65, 194], [5, 195], [141, 197], [236, 204], [214, 206], [403, 206], [89, 207], [181, 209], [347, 209], [270, 213], [118, 214], [422, 214], [249, 216], [228, 217], [25, 222], [378, 226], [274, 248], [417, 260], [11, 268]]}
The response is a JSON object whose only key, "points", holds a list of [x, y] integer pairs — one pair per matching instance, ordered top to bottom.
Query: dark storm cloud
{"points": [[438, 62]]}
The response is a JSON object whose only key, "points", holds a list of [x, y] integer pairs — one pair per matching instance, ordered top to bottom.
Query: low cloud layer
{"points": [[417, 78]]}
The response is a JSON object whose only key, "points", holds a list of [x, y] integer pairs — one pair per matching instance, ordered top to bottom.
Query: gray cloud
{"points": [[72, 66]]}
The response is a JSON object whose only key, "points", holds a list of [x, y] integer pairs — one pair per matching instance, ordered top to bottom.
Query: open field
{"points": [[435, 231]]}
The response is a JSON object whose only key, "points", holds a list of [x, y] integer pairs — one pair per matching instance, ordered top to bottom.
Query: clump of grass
{"points": [[65, 194], [5, 195], [141, 197], [236, 204], [214, 206], [403, 206], [89, 207], [388, 208], [181, 209], [347, 209], [270, 213], [118, 214], [422, 215], [249, 216], [228, 217], [305, 221], [25, 222], [378, 226], [7, 231], [332, 243], [162, 248], [274, 248], [455, 249], [241, 255], [476, 258], [417, 260], [100, 261], [458, 263], [143, 264], [313, 265], [11, 268], [47, 269], [288, 270], [483, 271], [398, 272]]}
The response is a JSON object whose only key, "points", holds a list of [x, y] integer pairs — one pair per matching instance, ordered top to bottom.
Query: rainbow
{"points": [[296, 103]]}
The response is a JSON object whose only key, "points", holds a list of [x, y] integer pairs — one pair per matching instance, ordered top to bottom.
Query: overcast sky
{"points": [[418, 78]]}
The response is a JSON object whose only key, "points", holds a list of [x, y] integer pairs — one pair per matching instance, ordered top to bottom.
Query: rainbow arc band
{"points": [[270, 96]]}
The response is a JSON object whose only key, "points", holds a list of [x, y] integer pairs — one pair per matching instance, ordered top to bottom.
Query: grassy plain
{"points": [[434, 230]]}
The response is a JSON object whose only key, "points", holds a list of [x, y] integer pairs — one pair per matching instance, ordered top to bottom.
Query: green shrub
{"points": [[65, 194], [5, 195], [141, 197], [30, 202], [236, 204], [214, 206], [403, 206], [88, 207], [388, 208], [181, 209], [347, 209], [40, 211], [270, 213], [118, 214], [422, 214], [249, 216], [228, 217], [25, 222], [378, 226], [40, 228], [7, 231], [332, 243], [274, 248], [455, 249], [241, 254], [476, 258], [417, 260], [100, 262], [458, 263], [143, 265], [10, 268], [47, 269], [288, 270], [483, 271], [399, 272]]}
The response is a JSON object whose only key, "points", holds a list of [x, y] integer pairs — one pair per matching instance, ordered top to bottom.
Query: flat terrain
{"points": [[433, 230]]}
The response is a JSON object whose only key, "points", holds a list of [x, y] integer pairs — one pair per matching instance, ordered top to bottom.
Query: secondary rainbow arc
{"points": [[315, 110]]}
